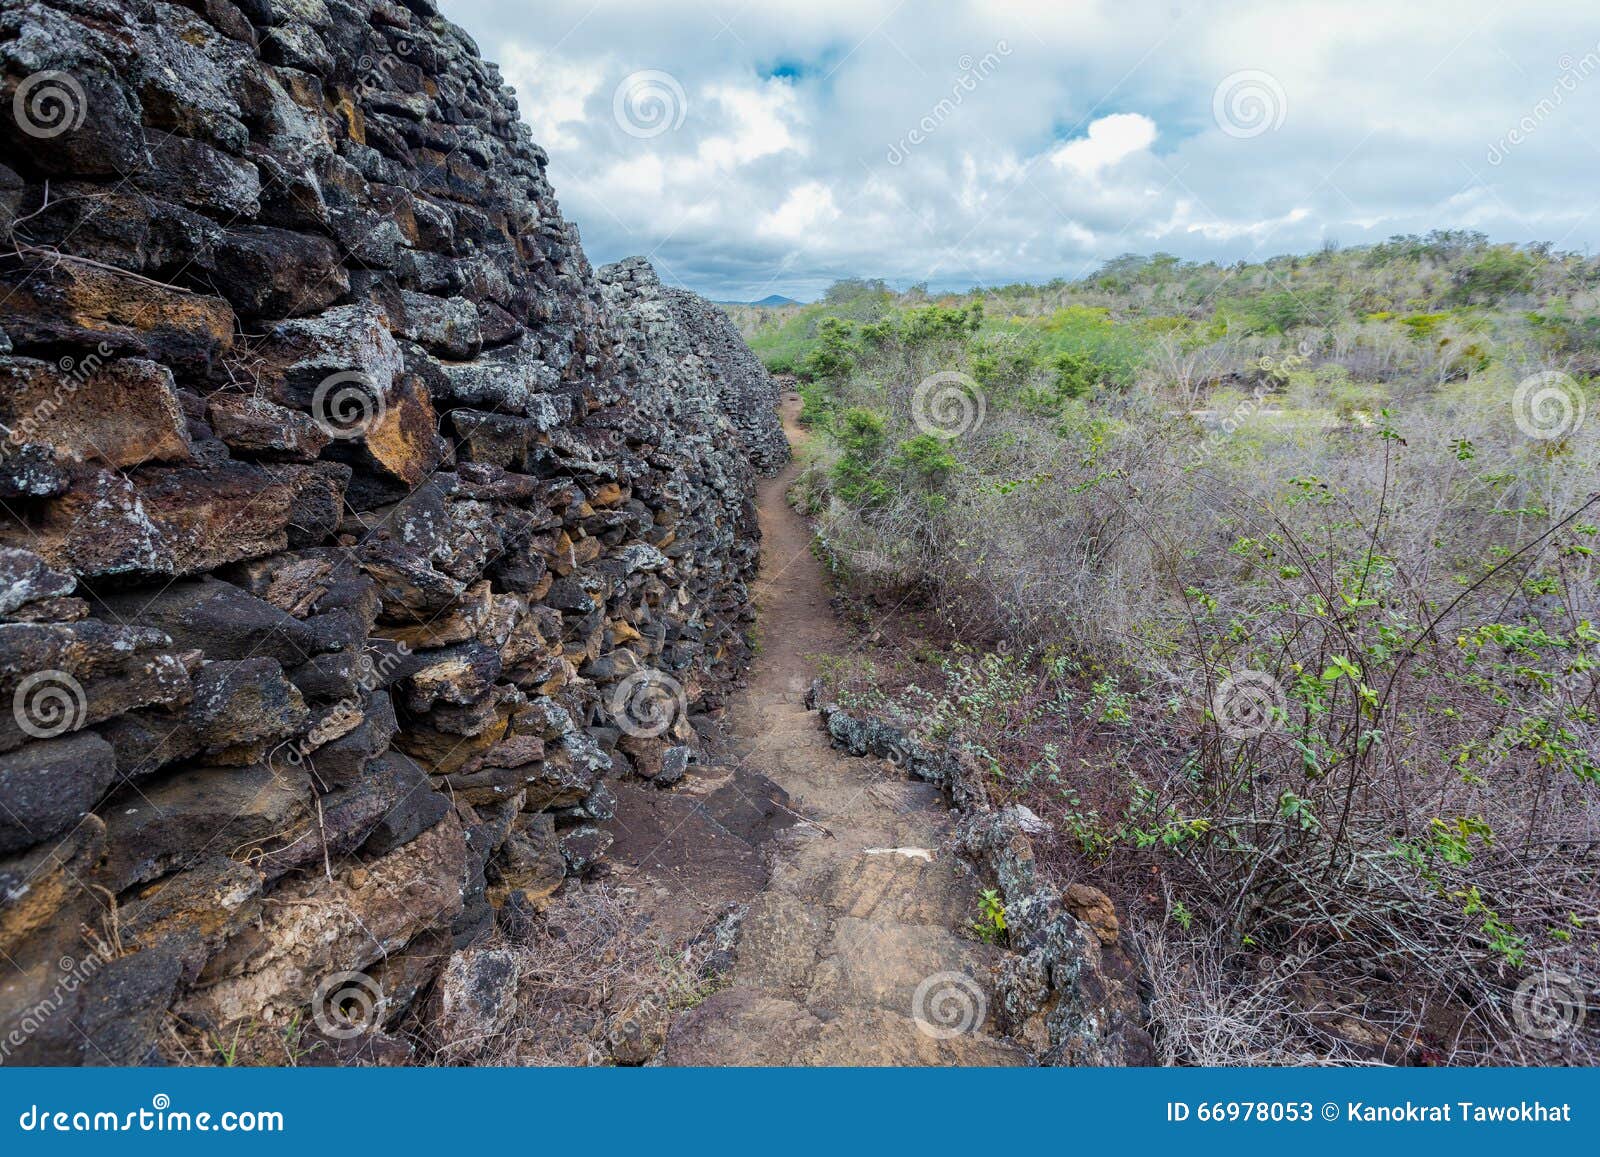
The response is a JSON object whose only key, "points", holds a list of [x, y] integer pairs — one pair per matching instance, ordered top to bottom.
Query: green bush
{"points": [[1499, 273], [936, 323], [835, 352], [1003, 362], [1076, 374], [861, 434], [926, 458], [1402, 601]]}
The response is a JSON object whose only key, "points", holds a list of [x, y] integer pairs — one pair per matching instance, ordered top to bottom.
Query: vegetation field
{"points": [[1271, 588]]}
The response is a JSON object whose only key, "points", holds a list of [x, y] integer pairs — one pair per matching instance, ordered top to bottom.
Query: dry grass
{"points": [[1418, 822], [596, 986]]}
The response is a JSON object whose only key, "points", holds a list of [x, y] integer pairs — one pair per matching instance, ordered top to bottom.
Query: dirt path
{"points": [[850, 955]]}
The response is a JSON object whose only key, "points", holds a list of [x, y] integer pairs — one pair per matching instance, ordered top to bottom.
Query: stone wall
{"points": [[353, 532], [1068, 989]]}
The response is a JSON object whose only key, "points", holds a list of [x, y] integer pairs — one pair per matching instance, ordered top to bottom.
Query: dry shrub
{"points": [[1404, 585], [596, 986], [1206, 1013]]}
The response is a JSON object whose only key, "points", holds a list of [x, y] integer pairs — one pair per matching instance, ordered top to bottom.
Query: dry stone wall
{"points": [[353, 531], [1067, 990]]}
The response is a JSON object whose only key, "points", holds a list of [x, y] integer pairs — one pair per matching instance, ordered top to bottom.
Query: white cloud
{"points": [[551, 91], [761, 120], [1092, 134], [1110, 139], [809, 206]]}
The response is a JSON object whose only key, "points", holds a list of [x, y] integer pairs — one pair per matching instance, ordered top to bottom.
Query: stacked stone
{"points": [[746, 391], [347, 519], [1068, 990]]}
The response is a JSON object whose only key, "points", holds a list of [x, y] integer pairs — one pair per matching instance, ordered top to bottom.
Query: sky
{"points": [[751, 147]]}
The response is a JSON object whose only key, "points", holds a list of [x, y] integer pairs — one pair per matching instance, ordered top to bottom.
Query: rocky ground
{"points": [[859, 932], [861, 946]]}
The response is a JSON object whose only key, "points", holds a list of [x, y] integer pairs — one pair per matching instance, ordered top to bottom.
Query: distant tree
{"points": [[1498, 274]]}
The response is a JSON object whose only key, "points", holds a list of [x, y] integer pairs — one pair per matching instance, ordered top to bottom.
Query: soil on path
{"points": [[851, 952]]}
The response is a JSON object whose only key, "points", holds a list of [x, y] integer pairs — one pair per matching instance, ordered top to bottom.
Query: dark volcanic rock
{"points": [[340, 502], [47, 785]]}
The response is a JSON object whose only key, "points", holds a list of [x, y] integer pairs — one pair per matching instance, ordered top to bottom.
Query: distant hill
{"points": [[771, 301]]}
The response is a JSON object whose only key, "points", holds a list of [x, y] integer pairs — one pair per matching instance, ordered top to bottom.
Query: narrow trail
{"points": [[856, 932]]}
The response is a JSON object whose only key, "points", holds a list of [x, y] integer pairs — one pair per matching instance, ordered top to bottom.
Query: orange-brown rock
{"points": [[110, 313], [312, 401], [122, 413], [403, 441], [1094, 908]]}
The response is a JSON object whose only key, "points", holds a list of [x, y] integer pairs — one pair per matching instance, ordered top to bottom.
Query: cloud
{"points": [[552, 93], [760, 120], [1109, 140], [984, 141], [809, 207]]}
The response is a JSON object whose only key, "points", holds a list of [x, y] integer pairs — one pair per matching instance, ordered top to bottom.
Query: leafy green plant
{"points": [[862, 434], [990, 926]]}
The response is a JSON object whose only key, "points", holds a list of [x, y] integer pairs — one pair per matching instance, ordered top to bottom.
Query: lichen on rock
{"points": [[340, 502]]}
